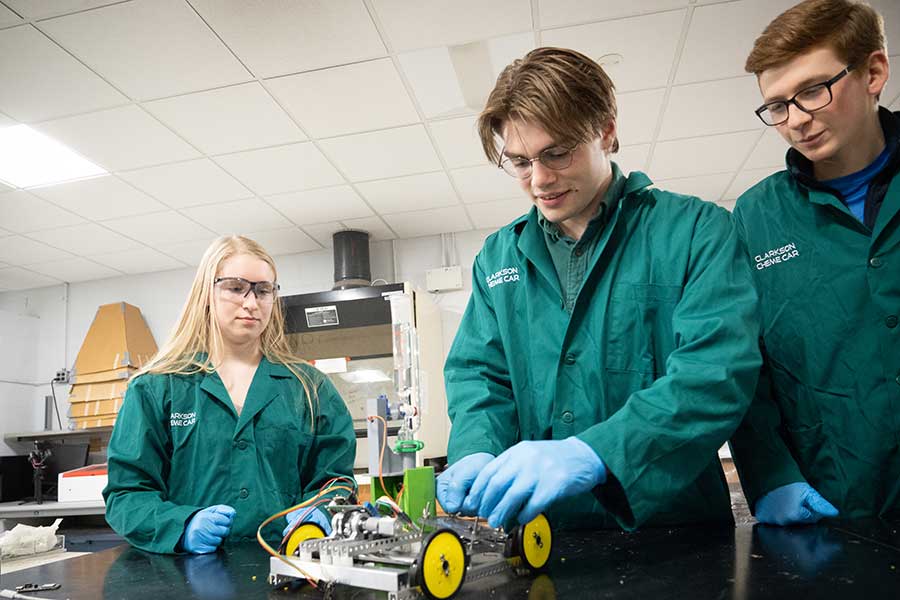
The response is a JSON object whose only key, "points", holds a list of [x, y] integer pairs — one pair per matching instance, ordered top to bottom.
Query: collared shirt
{"points": [[571, 257]]}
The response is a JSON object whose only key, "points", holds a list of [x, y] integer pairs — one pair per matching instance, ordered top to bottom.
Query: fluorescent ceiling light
{"points": [[29, 158], [364, 376]]}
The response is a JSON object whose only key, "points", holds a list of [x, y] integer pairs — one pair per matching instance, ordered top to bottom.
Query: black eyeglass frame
{"points": [[793, 99], [504, 159], [253, 285]]}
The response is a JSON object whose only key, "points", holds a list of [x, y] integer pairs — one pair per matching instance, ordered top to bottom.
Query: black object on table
{"points": [[839, 560]]}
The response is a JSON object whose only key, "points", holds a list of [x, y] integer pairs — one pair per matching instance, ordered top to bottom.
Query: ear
{"points": [[876, 71], [609, 131]]}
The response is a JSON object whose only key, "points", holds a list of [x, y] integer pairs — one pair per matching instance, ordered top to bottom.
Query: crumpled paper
{"points": [[23, 540]]}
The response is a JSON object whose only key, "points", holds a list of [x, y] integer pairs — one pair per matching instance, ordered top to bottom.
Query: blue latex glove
{"points": [[529, 477], [454, 483], [793, 504], [315, 516], [207, 528]]}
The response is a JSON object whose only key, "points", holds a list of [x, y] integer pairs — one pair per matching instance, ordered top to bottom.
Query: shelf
{"points": [[58, 435], [14, 510]]}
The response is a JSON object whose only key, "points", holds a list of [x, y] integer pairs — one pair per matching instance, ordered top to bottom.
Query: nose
{"points": [[797, 118], [541, 175], [250, 300]]}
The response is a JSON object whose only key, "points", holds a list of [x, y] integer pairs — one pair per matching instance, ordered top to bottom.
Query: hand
{"points": [[531, 476], [454, 483], [793, 504], [312, 516], [207, 528]]}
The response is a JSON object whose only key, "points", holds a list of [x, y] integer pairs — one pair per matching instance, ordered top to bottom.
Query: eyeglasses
{"points": [[809, 100], [520, 167], [235, 289]]}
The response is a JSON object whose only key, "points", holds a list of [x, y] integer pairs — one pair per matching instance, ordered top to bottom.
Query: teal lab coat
{"points": [[653, 368], [827, 409], [179, 446]]}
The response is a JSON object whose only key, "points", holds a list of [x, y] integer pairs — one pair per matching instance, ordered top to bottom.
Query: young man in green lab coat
{"points": [[609, 346], [823, 432]]}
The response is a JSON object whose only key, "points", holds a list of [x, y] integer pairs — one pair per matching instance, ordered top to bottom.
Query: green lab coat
{"points": [[654, 367], [827, 409], [179, 446]]}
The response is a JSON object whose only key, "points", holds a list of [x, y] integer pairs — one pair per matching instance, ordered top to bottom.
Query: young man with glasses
{"points": [[609, 346], [823, 432]]}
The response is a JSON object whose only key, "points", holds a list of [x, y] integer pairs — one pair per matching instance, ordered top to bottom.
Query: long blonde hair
{"points": [[197, 337]]}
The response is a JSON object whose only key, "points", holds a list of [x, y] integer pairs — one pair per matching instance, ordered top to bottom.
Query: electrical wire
{"points": [[55, 406], [381, 457]]}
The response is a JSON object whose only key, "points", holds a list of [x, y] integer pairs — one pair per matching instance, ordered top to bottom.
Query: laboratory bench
{"points": [[748, 561]]}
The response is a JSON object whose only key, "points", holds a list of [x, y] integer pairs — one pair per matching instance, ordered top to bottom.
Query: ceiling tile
{"points": [[39, 9], [890, 11], [566, 12], [8, 17], [412, 24], [274, 37], [148, 48], [712, 51], [646, 59], [454, 80], [42, 81], [327, 103], [896, 105], [711, 107], [638, 115], [239, 117], [6, 121], [119, 138], [458, 142], [769, 152], [379, 154], [701, 156], [632, 158], [281, 169], [746, 179], [188, 183], [485, 183], [705, 187], [5, 188], [416, 192], [99, 198], [727, 204], [321, 205], [23, 212], [492, 215], [237, 217], [429, 222], [159, 229], [378, 231], [322, 232], [85, 239], [285, 241], [18, 250], [189, 253], [138, 260], [74, 269], [14, 278]]}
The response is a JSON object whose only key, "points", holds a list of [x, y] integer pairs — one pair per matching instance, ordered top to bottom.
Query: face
{"points": [[831, 133], [568, 197], [242, 319]]}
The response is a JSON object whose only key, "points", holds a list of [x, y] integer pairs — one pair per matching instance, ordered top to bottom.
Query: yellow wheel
{"points": [[305, 531], [535, 542], [442, 565]]}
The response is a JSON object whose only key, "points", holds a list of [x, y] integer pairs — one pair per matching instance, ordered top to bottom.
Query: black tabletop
{"points": [[842, 559]]}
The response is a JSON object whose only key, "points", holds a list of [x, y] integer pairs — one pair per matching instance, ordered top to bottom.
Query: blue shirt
{"points": [[855, 186]]}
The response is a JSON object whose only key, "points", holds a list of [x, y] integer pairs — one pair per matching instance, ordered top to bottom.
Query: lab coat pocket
{"points": [[639, 323], [283, 448]]}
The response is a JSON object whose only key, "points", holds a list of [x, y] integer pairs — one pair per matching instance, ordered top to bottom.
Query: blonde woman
{"points": [[225, 426]]}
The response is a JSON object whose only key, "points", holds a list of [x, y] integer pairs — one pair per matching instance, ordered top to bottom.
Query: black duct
{"points": [[351, 259]]}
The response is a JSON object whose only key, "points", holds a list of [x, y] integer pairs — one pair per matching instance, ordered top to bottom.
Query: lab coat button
{"points": [[875, 262], [891, 321], [570, 359], [568, 417], [242, 445], [244, 493]]}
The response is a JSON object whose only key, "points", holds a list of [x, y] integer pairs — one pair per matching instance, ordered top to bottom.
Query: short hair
{"points": [[852, 29], [562, 90]]}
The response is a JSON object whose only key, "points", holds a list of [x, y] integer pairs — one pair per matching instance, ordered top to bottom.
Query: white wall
{"points": [[41, 330]]}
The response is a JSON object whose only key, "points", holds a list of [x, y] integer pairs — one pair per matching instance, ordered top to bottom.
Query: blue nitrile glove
{"points": [[529, 477], [455, 482], [793, 504], [315, 516], [207, 528]]}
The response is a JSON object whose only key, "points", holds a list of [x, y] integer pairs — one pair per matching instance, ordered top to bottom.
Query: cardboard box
{"points": [[118, 338], [101, 376], [91, 392], [95, 408], [93, 421], [84, 484]]}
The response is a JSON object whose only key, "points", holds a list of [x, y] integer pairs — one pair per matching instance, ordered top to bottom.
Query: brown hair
{"points": [[852, 29], [562, 90]]}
